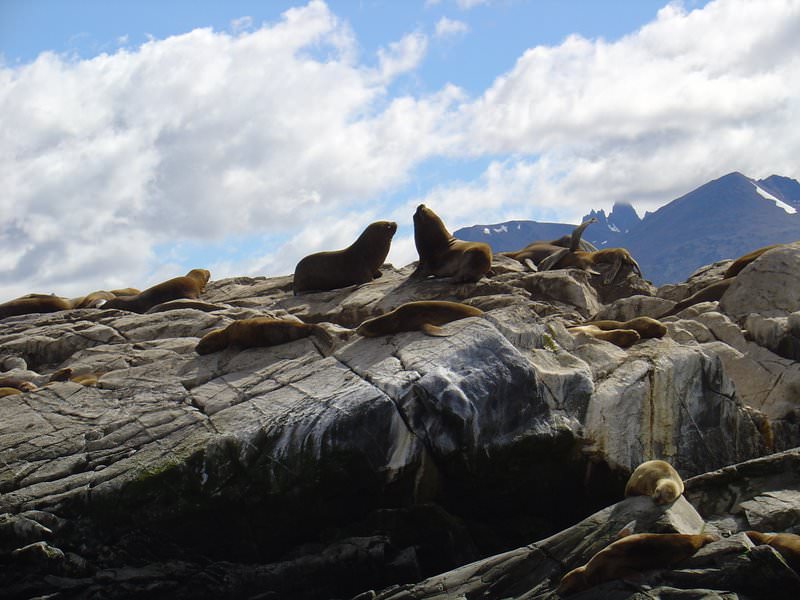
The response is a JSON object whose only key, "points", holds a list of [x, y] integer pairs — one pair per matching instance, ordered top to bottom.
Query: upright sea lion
{"points": [[442, 255], [741, 262], [359, 263], [190, 285], [707, 294], [33, 303], [424, 315], [646, 327], [259, 332], [620, 337], [17, 383], [655, 478], [787, 545], [630, 556]]}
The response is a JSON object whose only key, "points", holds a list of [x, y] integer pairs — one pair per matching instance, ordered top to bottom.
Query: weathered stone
{"points": [[768, 286]]}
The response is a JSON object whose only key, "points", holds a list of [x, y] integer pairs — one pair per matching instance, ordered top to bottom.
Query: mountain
{"points": [[724, 218]]}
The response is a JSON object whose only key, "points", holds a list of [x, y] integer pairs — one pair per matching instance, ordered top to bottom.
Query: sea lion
{"points": [[442, 255], [542, 256], [616, 257], [359, 263], [740, 263], [190, 285], [709, 293], [98, 298], [33, 303], [424, 315], [646, 327], [259, 332], [620, 337], [66, 374], [17, 383], [9, 391], [655, 478], [787, 545], [630, 556]]}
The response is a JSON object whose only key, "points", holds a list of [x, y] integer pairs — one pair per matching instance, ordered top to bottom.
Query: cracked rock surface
{"points": [[320, 472]]}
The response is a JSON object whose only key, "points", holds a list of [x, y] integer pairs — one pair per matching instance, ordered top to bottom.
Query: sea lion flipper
{"points": [[575, 239], [552, 260], [531, 265], [433, 330], [626, 530]]}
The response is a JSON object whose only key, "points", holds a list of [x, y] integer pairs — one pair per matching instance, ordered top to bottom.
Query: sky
{"points": [[139, 140]]}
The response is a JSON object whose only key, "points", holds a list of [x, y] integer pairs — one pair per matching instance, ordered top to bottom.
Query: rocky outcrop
{"points": [[371, 461], [754, 495]]}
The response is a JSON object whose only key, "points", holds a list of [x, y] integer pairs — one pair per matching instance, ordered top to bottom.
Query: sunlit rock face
{"points": [[363, 462]]}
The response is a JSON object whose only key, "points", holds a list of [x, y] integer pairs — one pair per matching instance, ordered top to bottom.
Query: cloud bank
{"points": [[284, 133]]}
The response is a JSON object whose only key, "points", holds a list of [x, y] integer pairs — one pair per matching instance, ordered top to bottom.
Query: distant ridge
{"points": [[724, 218]]}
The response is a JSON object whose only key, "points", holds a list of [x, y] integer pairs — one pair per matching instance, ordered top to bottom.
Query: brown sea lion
{"points": [[442, 255], [542, 256], [616, 257], [741, 262], [359, 263], [190, 285], [709, 293], [98, 298], [34, 303], [424, 315], [646, 327], [259, 332], [620, 337], [66, 374], [17, 383], [8, 391], [655, 478], [787, 545], [630, 556]]}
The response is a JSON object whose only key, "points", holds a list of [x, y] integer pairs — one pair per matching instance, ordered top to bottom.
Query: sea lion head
{"points": [[377, 232], [200, 275], [213, 341], [667, 491], [572, 582]]}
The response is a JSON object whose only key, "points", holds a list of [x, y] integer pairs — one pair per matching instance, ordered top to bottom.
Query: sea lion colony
{"points": [[441, 255]]}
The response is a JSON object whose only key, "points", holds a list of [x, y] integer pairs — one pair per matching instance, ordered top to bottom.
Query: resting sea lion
{"points": [[442, 255], [544, 255], [616, 257], [741, 262], [359, 263], [190, 285], [709, 293], [98, 298], [33, 303], [424, 315], [646, 327], [259, 332], [621, 337], [66, 374], [17, 383], [8, 391], [655, 478], [787, 545], [630, 556]]}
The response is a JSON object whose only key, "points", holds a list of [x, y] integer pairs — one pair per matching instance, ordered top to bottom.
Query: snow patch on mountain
{"points": [[766, 195]]}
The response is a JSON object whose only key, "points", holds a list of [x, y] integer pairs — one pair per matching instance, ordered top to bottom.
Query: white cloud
{"points": [[468, 4], [241, 24], [449, 27], [402, 56], [643, 119], [198, 137]]}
